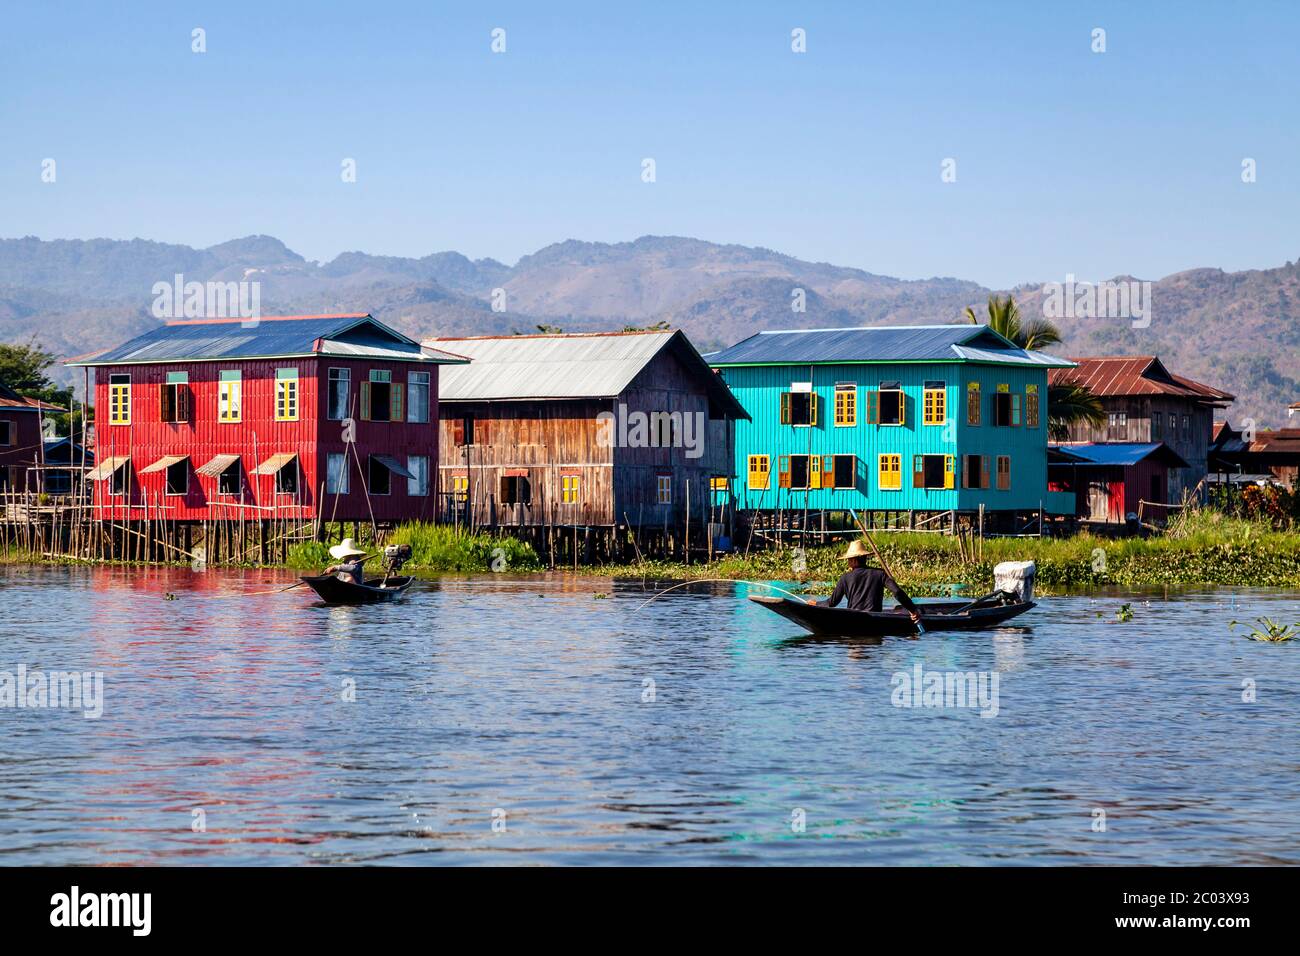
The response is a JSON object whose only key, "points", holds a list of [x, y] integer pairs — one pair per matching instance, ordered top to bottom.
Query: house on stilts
{"points": [[291, 422], [915, 426], [573, 440]]}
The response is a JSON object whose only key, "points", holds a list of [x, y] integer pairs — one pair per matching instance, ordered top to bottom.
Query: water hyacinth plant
{"points": [[1269, 630]]}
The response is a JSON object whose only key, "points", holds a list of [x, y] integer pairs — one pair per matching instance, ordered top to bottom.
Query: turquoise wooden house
{"points": [[936, 418]]}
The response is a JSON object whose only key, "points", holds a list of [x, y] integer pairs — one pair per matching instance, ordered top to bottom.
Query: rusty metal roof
{"points": [[566, 366], [1136, 375]]}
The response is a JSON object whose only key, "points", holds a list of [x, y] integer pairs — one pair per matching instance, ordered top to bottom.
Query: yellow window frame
{"points": [[286, 396], [119, 402], [230, 404], [846, 406], [935, 406], [889, 472], [760, 476]]}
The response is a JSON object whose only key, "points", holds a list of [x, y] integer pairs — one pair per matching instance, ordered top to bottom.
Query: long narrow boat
{"points": [[332, 590], [936, 616]]}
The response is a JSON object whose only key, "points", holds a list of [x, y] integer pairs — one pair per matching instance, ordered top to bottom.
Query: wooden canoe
{"points": [[330, 589], [936, 616]]}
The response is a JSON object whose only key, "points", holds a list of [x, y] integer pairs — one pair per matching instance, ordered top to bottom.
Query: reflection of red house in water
{"points": [[247, 420], [1111, 480]]}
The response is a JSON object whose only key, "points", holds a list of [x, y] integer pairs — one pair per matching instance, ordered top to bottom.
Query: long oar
{"points": [[760, 584], [920, 628]]}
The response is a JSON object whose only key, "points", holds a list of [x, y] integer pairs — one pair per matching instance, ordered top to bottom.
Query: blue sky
{"points": [[1067, 161]]}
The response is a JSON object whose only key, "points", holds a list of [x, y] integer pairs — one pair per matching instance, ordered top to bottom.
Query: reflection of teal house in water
{"points": [[920, 418]]}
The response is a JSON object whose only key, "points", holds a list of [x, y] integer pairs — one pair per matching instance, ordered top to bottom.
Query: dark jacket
{"points": [[864, 589]]}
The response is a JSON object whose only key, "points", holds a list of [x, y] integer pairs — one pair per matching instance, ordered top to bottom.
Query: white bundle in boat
{"points": [[1015, 577]]}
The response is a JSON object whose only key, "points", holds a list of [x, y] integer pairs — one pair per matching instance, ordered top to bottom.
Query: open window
{"points": [[175, 398], [887, 405], [799, 406], [1006, 408], [6, 431], [839, 471], [932, 471], [975, 471], [178, 477], [286, 479], [230, 481], [516, 489]]}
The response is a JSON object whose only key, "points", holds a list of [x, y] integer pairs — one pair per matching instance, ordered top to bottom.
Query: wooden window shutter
{"points": [[183, 400], [365, 401], [973, 404], [873, 407], [902, 407], [785, 408], [812, 408], [1015, 409], [397, 413], [458, 431], [481, 431], [828, 468], [814, 471], [918, 471], [949, 471], [984, 471], [783, 475]]}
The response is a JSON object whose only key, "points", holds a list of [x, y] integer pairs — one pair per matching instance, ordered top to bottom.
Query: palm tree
{"points": [[1004, 319], [1068, 403]]}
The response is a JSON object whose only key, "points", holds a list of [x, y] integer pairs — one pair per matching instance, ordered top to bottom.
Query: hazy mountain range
{"points": [[1239, 331]]}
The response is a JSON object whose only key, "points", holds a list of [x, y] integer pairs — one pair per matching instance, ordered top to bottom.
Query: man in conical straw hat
{"points": [[350, 559], [864, 587]]}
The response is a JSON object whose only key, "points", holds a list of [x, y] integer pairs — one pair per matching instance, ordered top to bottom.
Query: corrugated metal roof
{"points": [[269, 337], [912, 343], [564, 366], [1135, 375], [1118, 453], [166, 461], [274, 463], [217, 465], [106, 467]]}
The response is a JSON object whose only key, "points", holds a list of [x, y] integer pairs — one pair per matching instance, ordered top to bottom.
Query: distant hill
{"points": [[1239, 331]]}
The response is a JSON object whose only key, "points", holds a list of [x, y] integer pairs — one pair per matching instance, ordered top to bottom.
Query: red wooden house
{"points": [[280, 418], [21, 439], [1112, 480]]}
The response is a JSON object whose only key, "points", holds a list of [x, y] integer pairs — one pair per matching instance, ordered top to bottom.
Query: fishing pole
{"points": [[760, 584]]}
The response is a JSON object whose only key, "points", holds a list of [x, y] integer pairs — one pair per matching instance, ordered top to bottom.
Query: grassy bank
{"points": [[436, 548], [1210, 550]]}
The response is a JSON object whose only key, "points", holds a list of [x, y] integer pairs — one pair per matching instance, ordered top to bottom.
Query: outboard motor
{"points": [[396, 555], [1015, 578]]}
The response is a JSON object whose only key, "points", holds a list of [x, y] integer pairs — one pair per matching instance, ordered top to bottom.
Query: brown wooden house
{"points": [[1146, 403], [591, 430]]}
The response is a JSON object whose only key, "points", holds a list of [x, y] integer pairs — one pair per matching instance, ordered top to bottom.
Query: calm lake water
{"points": [[226, 736]]}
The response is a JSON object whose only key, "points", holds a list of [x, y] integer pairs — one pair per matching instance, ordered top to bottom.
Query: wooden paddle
{"points": [[920, 628]]}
